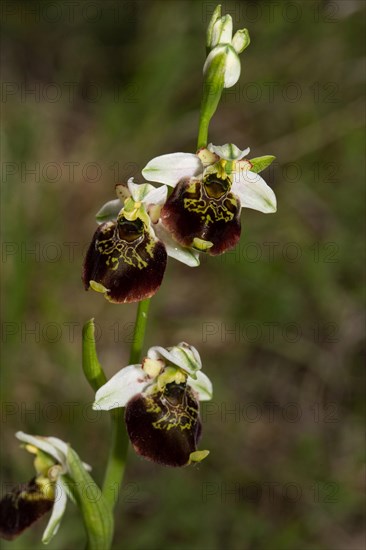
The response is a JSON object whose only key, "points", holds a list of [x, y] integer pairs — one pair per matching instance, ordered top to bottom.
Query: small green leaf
{"points": [[260, 163], [91, 366], [97, 514]]}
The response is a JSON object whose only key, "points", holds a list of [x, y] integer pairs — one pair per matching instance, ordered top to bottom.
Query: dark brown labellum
{"points": [[206, 210], [126, 259], [165, 427], [22, 507]]}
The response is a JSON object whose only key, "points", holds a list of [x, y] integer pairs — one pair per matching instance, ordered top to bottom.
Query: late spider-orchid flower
{"points": [[210, 188], [127, 257], [161, 397]]}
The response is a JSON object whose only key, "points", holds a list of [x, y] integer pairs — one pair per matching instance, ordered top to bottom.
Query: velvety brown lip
{"points": [[211, 214], [125, 259], [164, 427], [22, 507]]}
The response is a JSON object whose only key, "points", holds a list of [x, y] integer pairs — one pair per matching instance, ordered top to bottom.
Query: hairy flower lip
{"points": [[151, 199], [190, 214], [129, 271], [162, 430], [21, 507]]}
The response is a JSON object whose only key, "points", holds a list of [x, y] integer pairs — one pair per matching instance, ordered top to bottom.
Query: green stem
{"points": [[203, 132], [139, 331], [119, 442], [117, 458]]}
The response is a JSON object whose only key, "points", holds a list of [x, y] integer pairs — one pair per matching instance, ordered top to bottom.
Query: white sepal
{"points": [[214, 17], [231, 64], [232, 67], [169, 169], [253, 192], [187, 256], [126, 383], [202, 385], [45, 445], [52, 446], [58, 511]]}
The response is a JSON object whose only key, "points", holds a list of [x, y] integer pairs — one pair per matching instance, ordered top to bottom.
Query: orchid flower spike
{"points": [[161, 397]]}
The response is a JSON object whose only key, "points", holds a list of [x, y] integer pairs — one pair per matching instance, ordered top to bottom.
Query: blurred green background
{"points": [[90, 92]]}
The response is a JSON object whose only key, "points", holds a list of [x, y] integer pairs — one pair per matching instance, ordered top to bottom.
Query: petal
{"points": [[229, 151], [207, 157], [171, 168], [122, 192], [253, 192], [147, 193], [157, 195], [109, 211], [203, 213], [183, 254], [125, 261], [184, 356], [126, 383], [202, 385], [165, 427], [52, 446], [22, 507], [57, 511]]}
